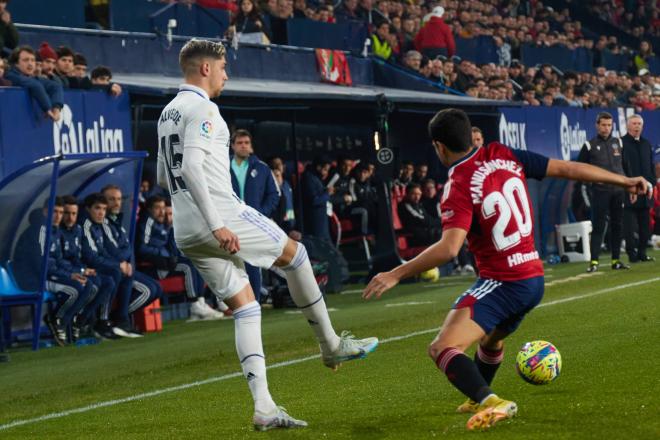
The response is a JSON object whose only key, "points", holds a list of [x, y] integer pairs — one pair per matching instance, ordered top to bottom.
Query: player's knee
{"points": [[291, 250], [435, 348]]}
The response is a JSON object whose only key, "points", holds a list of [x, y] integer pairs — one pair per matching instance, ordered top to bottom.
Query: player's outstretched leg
{"points": [[307, 296], [247, 325], [458, 333], [488, 358]]}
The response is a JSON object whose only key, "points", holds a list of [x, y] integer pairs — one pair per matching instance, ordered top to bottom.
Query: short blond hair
{"points": [[194, 51]]}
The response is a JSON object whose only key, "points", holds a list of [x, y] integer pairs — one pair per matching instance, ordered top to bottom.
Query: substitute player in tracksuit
{"points": [[154, 244], [103, 285], [72, 290], [134, 290]]}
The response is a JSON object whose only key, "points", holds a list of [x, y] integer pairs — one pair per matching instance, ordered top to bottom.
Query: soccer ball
{"points": [[431, 275], [538, 362]]}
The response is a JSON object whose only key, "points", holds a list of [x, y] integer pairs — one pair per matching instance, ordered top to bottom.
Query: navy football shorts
{"points": [[501, 304]]}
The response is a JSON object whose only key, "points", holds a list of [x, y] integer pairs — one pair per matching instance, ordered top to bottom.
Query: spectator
{"points": [[347, 10], [364, 11], [380, 14], [278, 21], [248, 25], [8, 32], [435, 37], [380, 41], [503, 51], [641, 59], [48, 60], [413, 60], [64, 65], [3, 67], [101, 76], [78, 78], [47, 93], [529, 95], [477, 137], [637, 161], [406, 172], [421, 173], [254, 183], [363, 195], [315, 197], [341, 198], [430, 198], [284, 216], [425, 229], [155, 245], [96, 312]]}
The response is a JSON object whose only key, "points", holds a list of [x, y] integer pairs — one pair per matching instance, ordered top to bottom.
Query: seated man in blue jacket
{"points": [[48, 93], [254, 183], [154, 244], [102, 252], [72, 290], [96, 313]]}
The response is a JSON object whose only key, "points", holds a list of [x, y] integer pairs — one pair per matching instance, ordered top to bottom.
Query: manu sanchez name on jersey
{"points": [[486, 195]]}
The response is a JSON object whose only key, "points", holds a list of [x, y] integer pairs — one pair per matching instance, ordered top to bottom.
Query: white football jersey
{"points": [[192, 120]]}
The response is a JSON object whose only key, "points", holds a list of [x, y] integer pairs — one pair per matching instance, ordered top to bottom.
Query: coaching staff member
{"points": [[605, 151], [637, 161]]}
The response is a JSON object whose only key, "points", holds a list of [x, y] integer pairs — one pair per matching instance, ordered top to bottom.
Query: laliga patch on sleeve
{"points": [[206, 129]]}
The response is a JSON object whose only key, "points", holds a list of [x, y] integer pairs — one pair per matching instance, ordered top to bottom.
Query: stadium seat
{"points": [[343, 232], [405, 251], [13, 296]]}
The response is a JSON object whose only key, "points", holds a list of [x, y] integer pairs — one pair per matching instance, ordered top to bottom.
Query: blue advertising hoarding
{"points": [[91, 122], [560, 132]]}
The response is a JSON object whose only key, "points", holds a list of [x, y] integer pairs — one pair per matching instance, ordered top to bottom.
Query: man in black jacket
{"points": [[605, 151], [637, 161], [425, 229]]}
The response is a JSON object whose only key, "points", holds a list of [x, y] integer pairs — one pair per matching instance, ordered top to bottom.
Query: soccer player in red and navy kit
{"points": [[486, 200]]}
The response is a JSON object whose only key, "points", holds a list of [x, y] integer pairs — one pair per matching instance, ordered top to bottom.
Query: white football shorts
{"points": [[261, 241]]}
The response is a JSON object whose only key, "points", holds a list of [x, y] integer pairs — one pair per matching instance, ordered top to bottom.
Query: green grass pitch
{"points": [[606, 326]]}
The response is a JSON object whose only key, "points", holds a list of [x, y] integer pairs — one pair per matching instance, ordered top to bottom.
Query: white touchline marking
{"points": [[574, 278], [351, 291], [409, 303], [299, 312], [186, 386]]}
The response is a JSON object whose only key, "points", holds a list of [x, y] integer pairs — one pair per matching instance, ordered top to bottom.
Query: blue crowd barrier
{"points": [[51, 13], [133, 15], [195, 20], [346, 35], [480, 50], [147, 53], [559, 56], [616, 62], [397, 77]]}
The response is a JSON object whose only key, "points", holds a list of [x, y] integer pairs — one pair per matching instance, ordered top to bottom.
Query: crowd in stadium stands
{"points": [[637, 17]]}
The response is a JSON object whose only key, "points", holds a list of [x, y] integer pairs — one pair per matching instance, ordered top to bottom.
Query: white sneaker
{"points": [[200, 311], [349, 349], [279, 419]]}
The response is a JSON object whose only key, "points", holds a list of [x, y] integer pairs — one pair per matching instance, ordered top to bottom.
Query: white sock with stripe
{"points": [[306, 294], [247, 328]]}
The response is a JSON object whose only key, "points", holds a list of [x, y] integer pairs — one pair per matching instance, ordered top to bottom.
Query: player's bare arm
{"points": [[589, 173], [435, 255]]}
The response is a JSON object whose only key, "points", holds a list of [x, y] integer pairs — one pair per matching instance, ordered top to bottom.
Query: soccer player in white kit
{"points": [[218, 232]]}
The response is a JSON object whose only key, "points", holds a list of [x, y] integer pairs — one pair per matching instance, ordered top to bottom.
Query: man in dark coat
{"points": [[637, 161]]}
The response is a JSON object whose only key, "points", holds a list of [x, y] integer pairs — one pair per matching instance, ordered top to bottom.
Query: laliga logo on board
{"points": [[513, 134], [70, 136], [572, 137]]}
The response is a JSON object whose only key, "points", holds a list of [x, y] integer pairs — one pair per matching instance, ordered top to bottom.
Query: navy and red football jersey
{"points": [[486, 195]]}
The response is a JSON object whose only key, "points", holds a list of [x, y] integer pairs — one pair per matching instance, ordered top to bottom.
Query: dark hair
{"points": [[253, 15], [195, 50], [64, 51], [13, 58], [79, 60], [100, 71], [528, 88], [603, 115], [452, 128], [476, 130], [240, 133], [321, 160], [427, 181], [411, 186], [108, 187], [95, 198], [69, 200], [151, 201], [58, 202]]}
